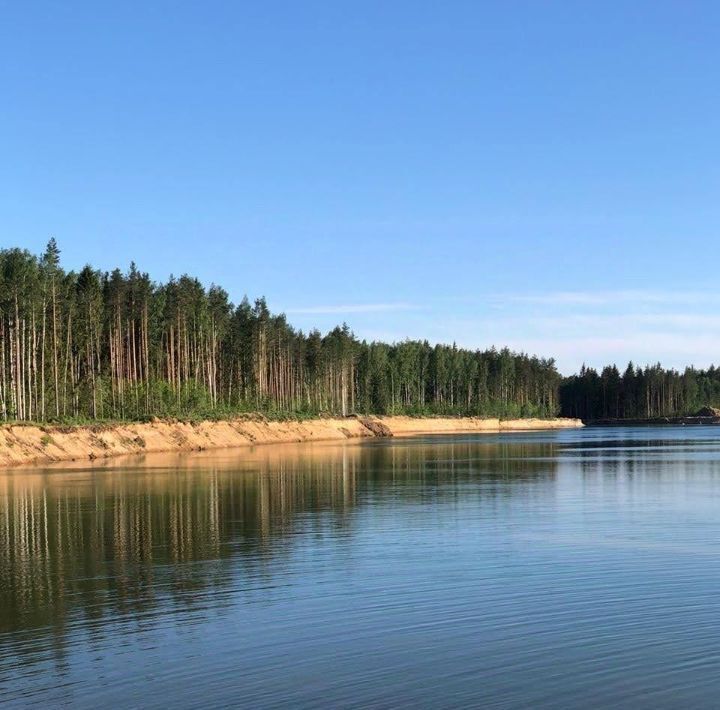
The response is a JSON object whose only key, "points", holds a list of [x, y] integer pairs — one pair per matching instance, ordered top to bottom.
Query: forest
{"points": [[92, 345], [638, 393]]}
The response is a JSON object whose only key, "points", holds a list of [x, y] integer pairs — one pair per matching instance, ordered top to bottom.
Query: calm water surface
{"points": [[563, 569]]}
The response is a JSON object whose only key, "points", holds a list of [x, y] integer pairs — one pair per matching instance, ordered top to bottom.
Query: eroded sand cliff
{"points": [[22, 444]]}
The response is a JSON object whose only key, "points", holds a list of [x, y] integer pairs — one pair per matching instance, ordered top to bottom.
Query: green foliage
{"points": [[93, 346], [639, 392]]}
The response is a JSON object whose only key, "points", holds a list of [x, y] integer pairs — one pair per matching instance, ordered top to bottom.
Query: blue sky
{"points": [[538, 174]]}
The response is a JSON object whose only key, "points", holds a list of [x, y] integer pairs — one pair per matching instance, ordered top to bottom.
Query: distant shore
{"points": [[657, 421], [34, 444]]}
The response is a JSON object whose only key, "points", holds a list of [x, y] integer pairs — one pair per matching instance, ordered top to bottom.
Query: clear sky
{"points": [[539, 174]]}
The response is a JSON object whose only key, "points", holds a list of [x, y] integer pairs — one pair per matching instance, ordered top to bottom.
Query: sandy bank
{"points": [[407, 426], [35, 444]]}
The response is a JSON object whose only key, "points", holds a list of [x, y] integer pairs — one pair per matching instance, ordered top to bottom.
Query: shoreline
{"points": [[692, 420], [22, 444]]}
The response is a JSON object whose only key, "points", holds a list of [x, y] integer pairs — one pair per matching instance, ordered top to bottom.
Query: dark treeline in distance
{"points": [[93, 345], [638, 393]]}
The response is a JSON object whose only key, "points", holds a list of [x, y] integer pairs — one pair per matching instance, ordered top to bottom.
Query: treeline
{"points": [[117, 345], [638, 392]]}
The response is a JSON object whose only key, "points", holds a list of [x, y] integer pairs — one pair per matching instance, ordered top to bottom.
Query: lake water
{"points": [[559, 569]]}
